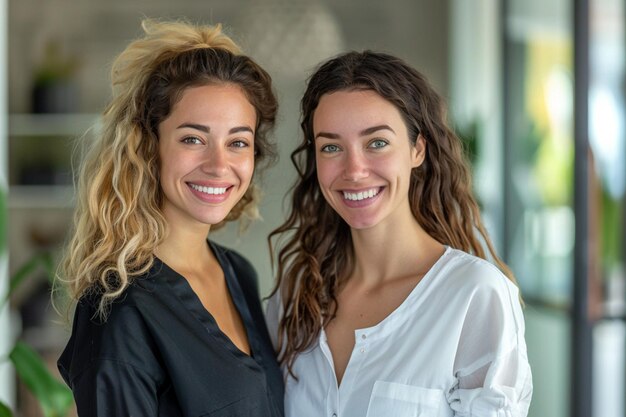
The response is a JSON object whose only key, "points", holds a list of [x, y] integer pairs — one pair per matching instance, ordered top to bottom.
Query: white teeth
{"points": [[208, 190], [360, 195]]}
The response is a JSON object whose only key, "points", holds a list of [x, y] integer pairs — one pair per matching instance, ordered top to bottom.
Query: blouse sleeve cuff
{"points": [[497, 401]]}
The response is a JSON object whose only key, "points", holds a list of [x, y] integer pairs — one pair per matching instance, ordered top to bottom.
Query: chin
{"points": [[212, 219], [360, 224]]}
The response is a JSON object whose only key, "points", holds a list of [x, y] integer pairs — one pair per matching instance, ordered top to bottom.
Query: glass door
{"points": [[607, 172], [539, 220]]}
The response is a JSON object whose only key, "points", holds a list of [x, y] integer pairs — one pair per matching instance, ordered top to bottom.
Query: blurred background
{"points": [[535, 89]]}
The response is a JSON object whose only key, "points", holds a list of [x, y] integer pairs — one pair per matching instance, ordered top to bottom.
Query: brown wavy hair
{"points": [[118, 220], [316, 253]]}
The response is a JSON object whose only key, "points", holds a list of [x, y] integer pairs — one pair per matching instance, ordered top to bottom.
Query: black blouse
{"points": [[160, 352]]}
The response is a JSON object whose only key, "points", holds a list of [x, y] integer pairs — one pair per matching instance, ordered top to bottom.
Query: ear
{"points": [[418, 151]]}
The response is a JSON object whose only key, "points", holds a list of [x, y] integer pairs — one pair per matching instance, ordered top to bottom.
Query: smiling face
{"points": [[206, 148], [364, 157]]}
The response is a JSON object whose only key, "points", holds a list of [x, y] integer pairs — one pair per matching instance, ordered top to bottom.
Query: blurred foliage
{"points": [[55, 65], [470, 135], [3, 221], [611, 241], [54, 397], [4, 411]]}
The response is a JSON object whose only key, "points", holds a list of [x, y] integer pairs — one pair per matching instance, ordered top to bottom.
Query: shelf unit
{"points": [[58, 124], [38, 127], [40, 196]]}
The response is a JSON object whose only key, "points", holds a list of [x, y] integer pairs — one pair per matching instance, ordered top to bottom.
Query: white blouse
{"points": [[454, 347]]}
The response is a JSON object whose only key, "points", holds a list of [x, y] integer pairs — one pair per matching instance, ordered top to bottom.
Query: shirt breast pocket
{"points": [[401, 400]]}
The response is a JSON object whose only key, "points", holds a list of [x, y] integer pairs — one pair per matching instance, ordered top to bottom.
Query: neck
{"points": [[185, 248], [395, 248]]}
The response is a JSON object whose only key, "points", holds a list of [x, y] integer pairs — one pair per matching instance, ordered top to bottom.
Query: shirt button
{"points": [[363, 337], [362, 350], [334, 414]]}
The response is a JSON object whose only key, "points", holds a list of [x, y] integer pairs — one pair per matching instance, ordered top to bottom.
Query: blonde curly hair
{"points": [[118, 220]]}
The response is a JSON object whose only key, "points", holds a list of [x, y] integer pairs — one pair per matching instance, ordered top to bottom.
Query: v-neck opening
{"points": [[415, 291], [236, 295], [191, 302], [367, 331]]}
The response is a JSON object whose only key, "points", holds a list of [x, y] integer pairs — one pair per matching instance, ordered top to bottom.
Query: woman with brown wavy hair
{"points": [[385, 303], [168, 323]]}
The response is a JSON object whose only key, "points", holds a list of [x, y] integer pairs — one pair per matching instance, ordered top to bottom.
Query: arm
{"points": [[273, 312], [111, 366], [493, 377], [113, 388]]}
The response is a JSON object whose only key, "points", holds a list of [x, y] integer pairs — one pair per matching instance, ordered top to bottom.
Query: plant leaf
{"points": [[3, 220], [48, 266], [26, 270], [54, 397], [5, 411]]}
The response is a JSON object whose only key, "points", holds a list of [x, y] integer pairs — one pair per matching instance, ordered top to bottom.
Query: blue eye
{"points": [[192, 140], [378, 143], [330, 148]]}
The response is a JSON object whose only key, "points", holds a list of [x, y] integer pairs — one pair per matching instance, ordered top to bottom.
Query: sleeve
{"points": [[273, 313], [111, 366], [492, 374], [113, 388]]}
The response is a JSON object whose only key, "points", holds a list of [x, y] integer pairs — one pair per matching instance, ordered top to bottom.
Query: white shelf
{"points": [[60, 124], [41, 196]]}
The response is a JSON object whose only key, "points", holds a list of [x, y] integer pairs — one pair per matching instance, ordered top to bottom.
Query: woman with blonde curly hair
{"points": [[385, 303], [168, 323]]}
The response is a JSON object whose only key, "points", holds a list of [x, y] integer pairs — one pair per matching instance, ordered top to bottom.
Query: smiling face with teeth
{"points": [[206, 150], [364, 157]]}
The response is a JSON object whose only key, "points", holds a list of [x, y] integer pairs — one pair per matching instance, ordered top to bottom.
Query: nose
{"points": [[215, 161], [355, 167]]}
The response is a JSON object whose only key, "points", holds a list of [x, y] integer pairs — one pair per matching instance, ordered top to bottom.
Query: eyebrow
{"points": [[207, 129], [373, 129], [363, 132]]}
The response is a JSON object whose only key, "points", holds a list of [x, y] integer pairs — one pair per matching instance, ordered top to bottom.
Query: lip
{"points": [[209, 197], [364, 202]]}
